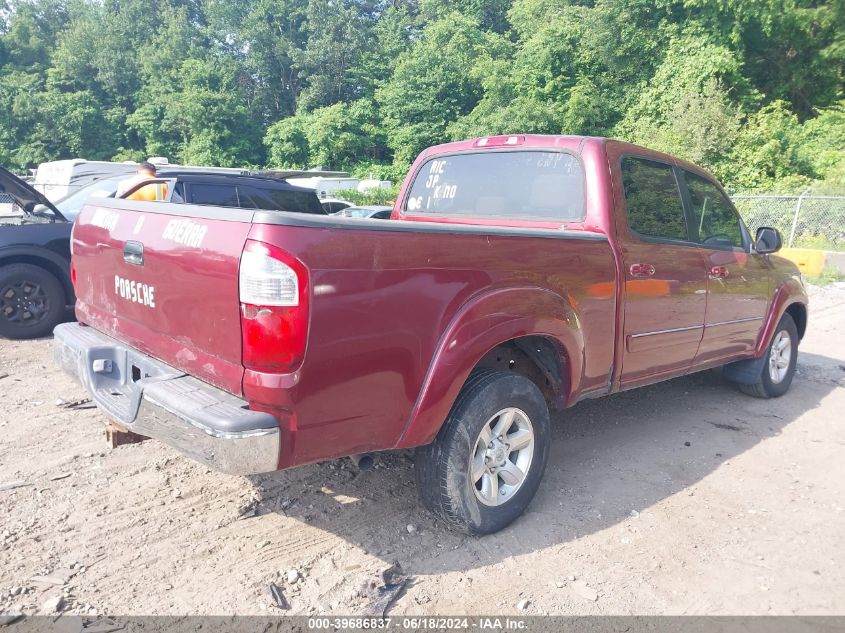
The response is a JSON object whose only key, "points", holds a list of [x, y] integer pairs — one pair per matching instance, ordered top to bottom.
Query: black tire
{"points": [[32, 301], [766, 386], [442, 468]]}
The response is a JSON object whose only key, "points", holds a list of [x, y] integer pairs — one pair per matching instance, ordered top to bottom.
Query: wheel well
{"points": [[51, 267], [798, 312], [540, 359]]}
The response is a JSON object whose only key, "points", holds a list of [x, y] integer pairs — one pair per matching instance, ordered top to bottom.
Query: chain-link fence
{"points": [[7, 205], [805, 221]]}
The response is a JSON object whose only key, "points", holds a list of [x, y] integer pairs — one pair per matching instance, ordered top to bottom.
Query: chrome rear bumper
{"points": [[155, 400]]}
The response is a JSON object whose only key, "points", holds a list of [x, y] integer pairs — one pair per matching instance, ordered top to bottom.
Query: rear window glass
{"points": [[527, 184], [217, 195], [280, 200]]}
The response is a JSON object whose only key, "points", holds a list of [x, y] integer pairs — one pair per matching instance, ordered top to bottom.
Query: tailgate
{"points": [[163, 278]]}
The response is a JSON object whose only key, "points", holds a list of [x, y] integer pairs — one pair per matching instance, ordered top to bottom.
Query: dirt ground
{"points": [[681, 498]]}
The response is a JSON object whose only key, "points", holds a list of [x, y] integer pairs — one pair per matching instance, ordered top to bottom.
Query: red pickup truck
{"points": [[517, 274]]}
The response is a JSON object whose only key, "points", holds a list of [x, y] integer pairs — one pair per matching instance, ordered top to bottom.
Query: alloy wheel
{"points": [[502, 456]]}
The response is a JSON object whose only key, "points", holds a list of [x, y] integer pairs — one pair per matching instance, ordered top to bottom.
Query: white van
{"points": [[58, 179], [324, 185], [368, 185]]}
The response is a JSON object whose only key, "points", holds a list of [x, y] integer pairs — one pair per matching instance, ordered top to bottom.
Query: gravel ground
{"points": [[682, 498]]}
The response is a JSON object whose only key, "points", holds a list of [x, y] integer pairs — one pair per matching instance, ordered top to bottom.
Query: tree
{"points": [[490, 15], [392, 33], [337, 35], [264, 36], [792, 51], [160, 65], [434, 83], [750, 89], [502, 110], [18, 117], [212, 117], [701, 126], [341, 134], [337, 136], [287, 144], [821, 144], [766, 154]]}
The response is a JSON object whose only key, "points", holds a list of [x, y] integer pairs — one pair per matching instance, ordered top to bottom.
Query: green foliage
{"points": [[490, 15], [434, 83], [753, 91], [213, 117], [701, 126], [341, 134], [337, 136], [287, 143], [821, 144], [766, 155], [385, 197], [827, 276]]}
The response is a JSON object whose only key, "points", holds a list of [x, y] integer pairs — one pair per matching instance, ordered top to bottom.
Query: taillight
{"points": [[72, 267], [274, 308]]}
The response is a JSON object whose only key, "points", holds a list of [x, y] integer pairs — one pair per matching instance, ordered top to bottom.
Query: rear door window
{"points": [[509, 185], [178, 192], [216, 195], [249, 198], [653, 199], [279, 200], [298, 201], [713, 216]]}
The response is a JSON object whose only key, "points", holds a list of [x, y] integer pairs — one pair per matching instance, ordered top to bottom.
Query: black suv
{"points": [[35, 288]]}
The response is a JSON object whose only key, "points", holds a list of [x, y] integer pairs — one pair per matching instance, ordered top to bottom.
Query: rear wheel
{"points": [[32, 301], [779, 366], [485, 465]]}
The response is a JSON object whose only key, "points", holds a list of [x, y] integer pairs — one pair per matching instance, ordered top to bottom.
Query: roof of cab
{"points": [[550, 141], [227, 179]]}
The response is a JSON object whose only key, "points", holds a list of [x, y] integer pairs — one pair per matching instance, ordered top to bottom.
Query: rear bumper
{"points": [[153, 399]]}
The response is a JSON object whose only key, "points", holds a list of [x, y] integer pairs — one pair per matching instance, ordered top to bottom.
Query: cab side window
{"points": [[216, 195], [273, 199], [653, 199], [714, 218]]}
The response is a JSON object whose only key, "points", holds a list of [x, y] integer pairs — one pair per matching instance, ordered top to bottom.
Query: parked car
{"points": [[59, 179], [334, 205], [375, 211], [518, 274], [35, 286], [36, 292]]}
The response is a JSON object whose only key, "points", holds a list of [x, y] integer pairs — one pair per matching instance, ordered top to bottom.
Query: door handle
{"points": [[642, 270], [718, 272]]}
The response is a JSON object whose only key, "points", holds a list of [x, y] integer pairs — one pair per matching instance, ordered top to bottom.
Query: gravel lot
{"points": [[681, 498]]}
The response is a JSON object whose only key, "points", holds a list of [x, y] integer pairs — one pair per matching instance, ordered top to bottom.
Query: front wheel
{"points": [[32, 301], [779, 366], [485, 465]]}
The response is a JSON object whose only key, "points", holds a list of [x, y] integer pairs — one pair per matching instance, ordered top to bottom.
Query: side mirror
{"points": [[768, 240]]}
